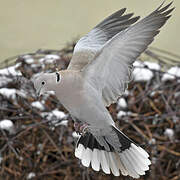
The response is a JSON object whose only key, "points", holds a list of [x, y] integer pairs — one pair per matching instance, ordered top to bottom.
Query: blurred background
{"points": [[49, 24]]}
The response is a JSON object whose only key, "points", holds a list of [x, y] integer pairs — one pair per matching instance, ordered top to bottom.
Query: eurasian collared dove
{"points": [[96, 77]]}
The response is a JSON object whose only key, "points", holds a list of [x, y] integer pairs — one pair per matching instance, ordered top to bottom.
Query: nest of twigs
{"points": [[41, 146]]}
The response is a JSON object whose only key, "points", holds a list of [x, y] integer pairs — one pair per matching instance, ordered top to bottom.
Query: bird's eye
{"points": [[43, 82]]}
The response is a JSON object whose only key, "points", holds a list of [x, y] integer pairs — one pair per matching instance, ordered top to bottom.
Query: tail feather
{"points": [[79, 151], [86, 157], [130, 159], [104, 162], [95, 163], [113, 164], [121, 165], [128, 166], [136, 166]]}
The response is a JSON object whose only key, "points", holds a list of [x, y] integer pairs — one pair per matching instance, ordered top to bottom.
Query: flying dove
{"points": [[98, 74]]}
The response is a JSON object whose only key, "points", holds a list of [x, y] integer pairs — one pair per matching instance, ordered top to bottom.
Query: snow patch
{"points": [[27, 56], [52, 56], [49, 59], [29, 61], [138, 64], [17, 65], [152, 65], [10, 71], [171, 73], [142, 74], [4, 81], [8, 93], [11, 93], [153, 93], [122, 103], [38, 105], [59, 114], [121, 114], [47, 115], [56, 117], [63, 123], [7, 125], [169, 133], [152, 141], [40, 148], [154, 160], [31, 175]]}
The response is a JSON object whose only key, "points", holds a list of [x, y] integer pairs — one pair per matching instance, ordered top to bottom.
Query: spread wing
{"points": [[90, 45], [110, 71]]}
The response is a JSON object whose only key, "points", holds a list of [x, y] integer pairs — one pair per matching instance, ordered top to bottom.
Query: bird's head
{"points": [[45, 82]]}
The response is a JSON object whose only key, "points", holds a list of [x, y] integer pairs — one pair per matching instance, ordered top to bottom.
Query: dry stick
{"points": [[154, 107], [139, 130], [148, 130], [51, 140], [9, 143], [162, 148], [168, 167], [15, 173], [176, 177]]}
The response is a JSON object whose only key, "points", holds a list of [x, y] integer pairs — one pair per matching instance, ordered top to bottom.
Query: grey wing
{"points": [[91, 44], [110, 71]]}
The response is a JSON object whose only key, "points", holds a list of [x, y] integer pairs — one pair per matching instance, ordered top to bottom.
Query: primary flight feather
{"points": [[98, 74]]}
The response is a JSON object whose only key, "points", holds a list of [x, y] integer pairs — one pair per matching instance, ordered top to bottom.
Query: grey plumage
{"points": [[90, 45], [97, 76]]}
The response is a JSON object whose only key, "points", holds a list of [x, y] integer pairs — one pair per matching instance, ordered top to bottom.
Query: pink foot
{"points": [[80, 128]]}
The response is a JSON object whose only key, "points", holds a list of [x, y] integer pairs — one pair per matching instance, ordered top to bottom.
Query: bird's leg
{"points": [[80, 127], [83, 128]]}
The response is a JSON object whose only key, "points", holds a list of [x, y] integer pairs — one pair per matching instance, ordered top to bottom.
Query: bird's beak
{"points": [[39, 92]]}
